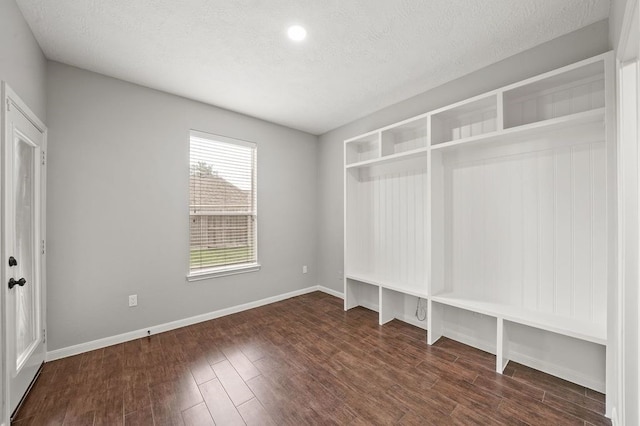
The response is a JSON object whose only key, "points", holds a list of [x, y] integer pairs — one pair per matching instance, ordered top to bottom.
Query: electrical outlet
{"points": [[304, 269], [133, 300]]}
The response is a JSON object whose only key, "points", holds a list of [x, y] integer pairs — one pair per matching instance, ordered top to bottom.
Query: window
{"points": [[222, 206]]}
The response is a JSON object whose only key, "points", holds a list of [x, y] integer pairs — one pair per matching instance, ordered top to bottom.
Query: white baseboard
{"points": [[331, 291], [371, 306], [411, 319], [132, 335], [469, 340], [614, 417]]}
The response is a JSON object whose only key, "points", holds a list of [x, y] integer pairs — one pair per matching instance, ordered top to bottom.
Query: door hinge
{"points": [[8, 104], [44, 156], [42, 246], [44, 336]]}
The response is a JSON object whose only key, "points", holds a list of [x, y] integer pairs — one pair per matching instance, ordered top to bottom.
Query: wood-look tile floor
{"points": [[300, 361]]}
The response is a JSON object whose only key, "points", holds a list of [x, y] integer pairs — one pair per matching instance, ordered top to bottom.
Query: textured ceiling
{"points": [[359, 55]]}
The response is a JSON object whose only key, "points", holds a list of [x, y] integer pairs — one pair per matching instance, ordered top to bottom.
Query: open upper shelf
{"points": [[578, 89], [573, 95], [464, 120], [528, 131], [407, 136], [403, 141], [362, 148], [420, 152], [595, 333]]}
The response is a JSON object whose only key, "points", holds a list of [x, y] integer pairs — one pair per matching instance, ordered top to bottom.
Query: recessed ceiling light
{"points": [[296, 33]]}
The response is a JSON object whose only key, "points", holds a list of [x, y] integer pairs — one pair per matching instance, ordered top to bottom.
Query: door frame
{"points": [[11, 100], [627, 333]]}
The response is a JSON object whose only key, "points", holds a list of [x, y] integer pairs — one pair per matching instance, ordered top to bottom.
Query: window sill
{"points": [[223, 271]]}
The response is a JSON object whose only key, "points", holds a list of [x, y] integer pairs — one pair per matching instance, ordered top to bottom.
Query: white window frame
{"points": [[225, 270]]}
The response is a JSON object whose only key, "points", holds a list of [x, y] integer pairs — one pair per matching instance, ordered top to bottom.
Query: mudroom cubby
{"points": [[496, 212], [387, 219]]}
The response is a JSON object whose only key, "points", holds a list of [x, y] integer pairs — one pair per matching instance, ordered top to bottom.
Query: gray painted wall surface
{"points": [[616, 15], [581, 44], [22, 64], [118, 207]]}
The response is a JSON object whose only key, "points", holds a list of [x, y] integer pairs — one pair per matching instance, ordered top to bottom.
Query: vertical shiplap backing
{"points": [[529, 230], [388, 241]]}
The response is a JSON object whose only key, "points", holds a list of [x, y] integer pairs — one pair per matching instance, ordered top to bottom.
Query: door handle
{"points": [[12, 261], [12, 283]]}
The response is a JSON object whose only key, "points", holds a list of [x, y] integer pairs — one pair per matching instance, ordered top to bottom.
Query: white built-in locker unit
{"points": [[499, 213]]}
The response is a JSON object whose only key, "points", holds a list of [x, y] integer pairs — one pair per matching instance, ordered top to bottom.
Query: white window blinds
{"points": [[222, 203]]}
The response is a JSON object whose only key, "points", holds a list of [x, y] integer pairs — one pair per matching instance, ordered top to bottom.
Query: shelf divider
{"points": [[390, 304], [435, 319], [501, 347]]}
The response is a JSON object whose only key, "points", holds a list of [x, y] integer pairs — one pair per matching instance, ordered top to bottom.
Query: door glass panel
{"points": [[24, 219]]}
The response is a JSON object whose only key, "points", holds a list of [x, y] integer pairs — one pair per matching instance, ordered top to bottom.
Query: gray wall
{"points": [[616, 15], [581, 44], [22, 64], [118, 207]]}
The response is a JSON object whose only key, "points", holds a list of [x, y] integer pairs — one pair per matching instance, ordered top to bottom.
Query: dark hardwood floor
{"points": [[300, 361]]}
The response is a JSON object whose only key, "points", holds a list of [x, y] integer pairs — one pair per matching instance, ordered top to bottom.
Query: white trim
{"points": [[17, 102], [423, 116], [365, 136], [220, 138], [226, 270], [222, 272], [331, 291], [371, 306], [412, 320], [136, 334], [482, 344], [4, 391], [617, 402], [620, 409], [614, 417]]}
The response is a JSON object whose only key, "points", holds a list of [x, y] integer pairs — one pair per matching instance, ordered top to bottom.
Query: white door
{"points": [[22, 234]]}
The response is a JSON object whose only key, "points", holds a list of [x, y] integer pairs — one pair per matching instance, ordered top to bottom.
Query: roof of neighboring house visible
{"points": [[212, 192]]}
